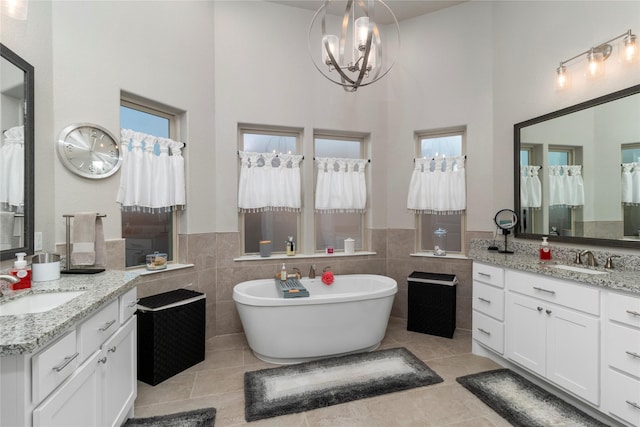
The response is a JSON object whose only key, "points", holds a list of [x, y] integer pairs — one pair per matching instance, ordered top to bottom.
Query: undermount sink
{"points": [[578, 269], [37, 303]]}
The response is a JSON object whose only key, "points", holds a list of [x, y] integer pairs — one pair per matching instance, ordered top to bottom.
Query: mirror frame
{"points": [[29, 143], [516, 157]]}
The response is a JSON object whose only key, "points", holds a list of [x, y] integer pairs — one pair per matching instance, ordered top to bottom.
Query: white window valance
{"points": [[153, 175], [269, 182], [631, 184], [340, 185], [438, 186], [530, 187], [566, 187]]}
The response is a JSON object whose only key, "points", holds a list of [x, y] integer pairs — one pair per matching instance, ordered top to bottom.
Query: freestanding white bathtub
{"points": [[348, 316]]}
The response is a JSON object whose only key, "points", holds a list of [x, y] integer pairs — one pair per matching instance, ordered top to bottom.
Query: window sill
{"points": [[431, 255], [302, 256], [171, 267]]}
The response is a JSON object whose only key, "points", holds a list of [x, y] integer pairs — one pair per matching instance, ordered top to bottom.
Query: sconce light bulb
{"points": [[630, 47], [562, 78]]}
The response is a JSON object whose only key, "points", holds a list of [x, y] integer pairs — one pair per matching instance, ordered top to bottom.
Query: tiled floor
{"points": [[218, 382]]}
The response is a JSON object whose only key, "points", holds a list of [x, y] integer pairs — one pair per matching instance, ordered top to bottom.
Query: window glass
{"points": [[448, 145], [630, 154], [561, 218], [271, 225], [331, 229], [146, 233]]}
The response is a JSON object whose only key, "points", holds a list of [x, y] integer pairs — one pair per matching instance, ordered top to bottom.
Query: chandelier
{"points": [[351, 51]]}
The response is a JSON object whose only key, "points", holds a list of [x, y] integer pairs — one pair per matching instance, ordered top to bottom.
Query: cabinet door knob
{"points": [[133, 303], [540, 308], [548, 311], [112, 349], [102, 360], [65, 362]]}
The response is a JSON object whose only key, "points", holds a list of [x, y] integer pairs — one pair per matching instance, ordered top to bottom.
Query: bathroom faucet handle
{"points": [[578, 258], [609, 263], [324, 270]]}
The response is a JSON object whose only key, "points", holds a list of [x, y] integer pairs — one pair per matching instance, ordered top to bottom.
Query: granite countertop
{"points": [[623, 277], [25, 333]]}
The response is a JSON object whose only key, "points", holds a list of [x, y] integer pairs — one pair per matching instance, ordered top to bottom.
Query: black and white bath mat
{"points": [[310, 385], [523, 403], [197, 418]]}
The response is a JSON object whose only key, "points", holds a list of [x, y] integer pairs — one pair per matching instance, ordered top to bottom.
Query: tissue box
{"points": [[156, 261]]}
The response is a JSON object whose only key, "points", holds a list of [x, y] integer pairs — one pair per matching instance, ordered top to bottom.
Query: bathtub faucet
{"points": [[324, 270], [297, 274]]}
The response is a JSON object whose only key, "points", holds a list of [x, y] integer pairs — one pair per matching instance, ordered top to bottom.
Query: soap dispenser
{"points": [[545, 249], [22, 272]]}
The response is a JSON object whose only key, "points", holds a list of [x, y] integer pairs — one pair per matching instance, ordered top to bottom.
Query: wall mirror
{"points": [[16, 154], [577, 172]]}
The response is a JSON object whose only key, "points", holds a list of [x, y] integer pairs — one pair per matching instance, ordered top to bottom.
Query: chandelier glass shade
{"points": [[351, 51]]}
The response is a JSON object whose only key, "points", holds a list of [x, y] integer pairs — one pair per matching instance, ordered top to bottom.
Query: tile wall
{"points": [[216, 273]]}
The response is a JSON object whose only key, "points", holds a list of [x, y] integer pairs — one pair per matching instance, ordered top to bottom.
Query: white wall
{"points": [[530, 40], [162, 51], [486, 65]]}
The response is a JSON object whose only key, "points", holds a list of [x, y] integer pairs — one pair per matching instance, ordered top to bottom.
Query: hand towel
{"points": [[6, 230], [84, 238], [100, 245]]}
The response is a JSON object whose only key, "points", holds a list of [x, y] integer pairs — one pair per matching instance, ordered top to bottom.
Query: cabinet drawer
{"points": [[488, 274], [577, 297], [488, 300], [128, 304], [624, 309], [95, 330], [488, 331], [623, 348], [53, 365], [623, 396]]}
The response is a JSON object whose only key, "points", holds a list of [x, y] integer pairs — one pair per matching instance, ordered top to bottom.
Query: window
{"points": [[438, 144], [631, 154], [561, 218], [276, 226], [331, 229], [145, 233]]}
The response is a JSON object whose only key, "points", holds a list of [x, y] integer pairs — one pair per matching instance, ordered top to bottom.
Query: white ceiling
{"points": [[402, 9]]}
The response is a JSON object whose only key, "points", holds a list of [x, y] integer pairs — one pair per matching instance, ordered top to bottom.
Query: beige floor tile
{"points": [[219, 382]]}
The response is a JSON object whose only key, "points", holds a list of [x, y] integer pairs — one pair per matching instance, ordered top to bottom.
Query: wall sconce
{"points": [[16, 9], [596, 56]]}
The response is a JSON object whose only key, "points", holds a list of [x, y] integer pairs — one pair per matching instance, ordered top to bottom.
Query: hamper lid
{"points": [[435, 278], [169, 299]]}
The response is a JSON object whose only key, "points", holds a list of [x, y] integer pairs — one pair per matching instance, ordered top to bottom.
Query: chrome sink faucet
{"points": [[591, 259], [8, 278]]}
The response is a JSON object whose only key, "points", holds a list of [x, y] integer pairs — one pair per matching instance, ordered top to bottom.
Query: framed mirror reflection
{"points": [[16, 154], [577, 172]]}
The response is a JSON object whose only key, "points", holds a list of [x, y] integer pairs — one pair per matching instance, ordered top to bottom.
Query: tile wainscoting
{"points": [[216, 273]]}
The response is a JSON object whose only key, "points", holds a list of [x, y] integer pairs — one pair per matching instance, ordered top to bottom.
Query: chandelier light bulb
{"points": [[361, 33], [332, 42]]}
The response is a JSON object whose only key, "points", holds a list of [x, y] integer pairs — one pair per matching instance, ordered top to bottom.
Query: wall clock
{"points": [[89, 150]]}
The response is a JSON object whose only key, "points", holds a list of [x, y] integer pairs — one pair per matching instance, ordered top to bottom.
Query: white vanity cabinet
{"points": [[488, 306], [553, 330], [621, 370], [87, 377], [102, 390]]}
